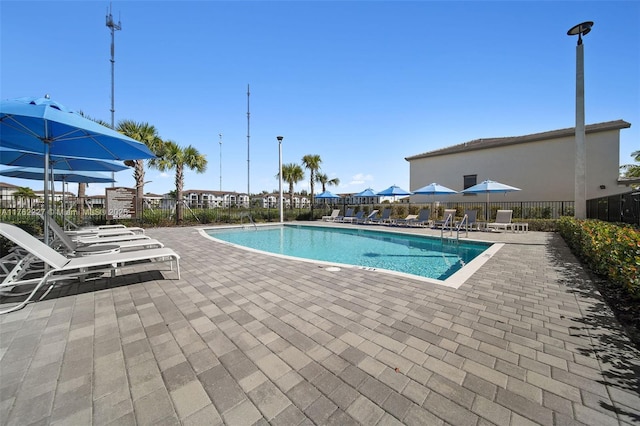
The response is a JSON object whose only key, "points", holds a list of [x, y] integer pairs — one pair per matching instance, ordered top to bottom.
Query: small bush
{"points": [[608, 249]]}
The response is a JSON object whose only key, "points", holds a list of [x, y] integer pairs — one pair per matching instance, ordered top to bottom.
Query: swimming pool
{"points": [[413, 255]]}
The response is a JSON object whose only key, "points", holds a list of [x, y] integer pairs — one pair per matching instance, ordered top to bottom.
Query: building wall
{"points": [[543, 170]]}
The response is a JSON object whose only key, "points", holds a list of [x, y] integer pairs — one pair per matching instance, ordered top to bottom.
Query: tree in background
{"points": [[148, 135], [175, 157], [312, 163], [632, 170], [292, 173], [324, 180], [25, 193]]}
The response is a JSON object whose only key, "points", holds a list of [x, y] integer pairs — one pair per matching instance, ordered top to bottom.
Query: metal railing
{"points": [[623, 208]]}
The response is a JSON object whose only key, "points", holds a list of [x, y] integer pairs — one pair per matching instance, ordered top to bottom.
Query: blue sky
{"points": [[363, 84]]}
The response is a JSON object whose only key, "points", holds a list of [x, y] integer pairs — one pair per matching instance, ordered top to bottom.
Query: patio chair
{"points": [[348, 213], [334, 214], [371, 216], [385, 217], [355, 218], [423, 218], [448, 219], [469, 220], [503, 220], [403, 222], [83, 246], [62, 267]]}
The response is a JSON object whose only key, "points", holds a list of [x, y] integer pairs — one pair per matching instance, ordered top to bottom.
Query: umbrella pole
{"points": [[46, 185], [488, 207]]}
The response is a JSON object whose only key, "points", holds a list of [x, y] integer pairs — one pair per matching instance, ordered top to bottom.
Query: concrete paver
{"points": [[246, 338]]}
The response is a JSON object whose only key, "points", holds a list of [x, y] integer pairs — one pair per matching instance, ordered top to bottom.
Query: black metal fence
{"points": [[616, 208], [166, 217]]}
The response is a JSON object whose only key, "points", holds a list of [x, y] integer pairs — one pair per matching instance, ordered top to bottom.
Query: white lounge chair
{"points": [[334, 214], [503, 220], [84, 246], [61, 267]]}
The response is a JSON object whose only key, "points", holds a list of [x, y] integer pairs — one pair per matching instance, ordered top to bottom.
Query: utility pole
{"points": [[220, 134]]}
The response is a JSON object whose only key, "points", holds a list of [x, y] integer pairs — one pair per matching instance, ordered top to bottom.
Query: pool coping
{"points": [[457, 279]]}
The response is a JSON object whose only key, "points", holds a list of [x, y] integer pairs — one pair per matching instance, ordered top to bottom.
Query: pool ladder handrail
{"points": [[248, 216], [448, 220], [465, 222]]}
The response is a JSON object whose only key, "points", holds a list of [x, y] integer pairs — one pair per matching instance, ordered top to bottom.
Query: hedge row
{"points": [[608, 249]]}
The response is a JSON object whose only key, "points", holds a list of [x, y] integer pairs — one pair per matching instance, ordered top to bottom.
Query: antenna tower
{"points": [[113, 27], [248, 149]]}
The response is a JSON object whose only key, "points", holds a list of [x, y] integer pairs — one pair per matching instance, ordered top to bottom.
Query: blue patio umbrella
{"points": [[43, 125], [12, 157], [33, 173], [488, 187], [434, 189], [393, 191], [366, 193], [327, 195]]}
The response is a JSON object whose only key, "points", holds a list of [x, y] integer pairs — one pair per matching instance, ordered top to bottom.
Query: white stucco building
{"points": [[540, 164]]}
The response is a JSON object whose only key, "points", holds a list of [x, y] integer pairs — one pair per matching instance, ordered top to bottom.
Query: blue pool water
{"points": [[412, 254]]}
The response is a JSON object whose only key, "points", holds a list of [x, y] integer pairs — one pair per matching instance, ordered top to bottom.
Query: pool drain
{"points": [[332, 269]]}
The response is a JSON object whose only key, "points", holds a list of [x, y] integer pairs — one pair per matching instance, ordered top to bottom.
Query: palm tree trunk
{"points": [[138, 175], [179, 185], [82, 193]]}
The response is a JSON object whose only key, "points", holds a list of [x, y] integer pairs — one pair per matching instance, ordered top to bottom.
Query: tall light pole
{"points": [[220, 134], [280, 176], [580, 188]]}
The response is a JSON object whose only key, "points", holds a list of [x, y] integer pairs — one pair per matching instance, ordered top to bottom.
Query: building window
{"points": [[469, 181]]}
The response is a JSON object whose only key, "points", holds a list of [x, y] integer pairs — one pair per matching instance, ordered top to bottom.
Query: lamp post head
{"points": [[580, 30], [279, 138]]}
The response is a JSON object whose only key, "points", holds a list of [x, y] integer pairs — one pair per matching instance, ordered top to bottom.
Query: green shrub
{"points": [[608, 249]]}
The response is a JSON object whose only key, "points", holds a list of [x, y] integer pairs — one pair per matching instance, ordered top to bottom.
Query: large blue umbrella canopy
{"points": [[32, 124], [43, 125], [12, 157], [33, 173], [488, 187], [434, 189], [393, 191], [366, 193], [327, 195]]}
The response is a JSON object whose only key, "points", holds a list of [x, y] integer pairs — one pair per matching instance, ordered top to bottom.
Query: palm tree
{"points": [[148, 135], [174, 156], [312, 162], [632, 170], [292, 173], [324, 180], [24, 193]]}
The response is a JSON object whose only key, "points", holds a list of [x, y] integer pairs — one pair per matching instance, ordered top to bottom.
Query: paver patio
{"points": [[246, 338]]}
